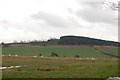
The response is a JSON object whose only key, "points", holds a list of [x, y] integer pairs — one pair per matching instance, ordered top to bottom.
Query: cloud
{"points": [[90, 0], [70, 10], [96, 12], [51, 19], [3, 21], [56, 21], [12, 32]]}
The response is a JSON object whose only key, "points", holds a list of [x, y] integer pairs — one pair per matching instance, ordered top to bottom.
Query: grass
{"points": [[109, 49], [60, 50], [60, 68]]}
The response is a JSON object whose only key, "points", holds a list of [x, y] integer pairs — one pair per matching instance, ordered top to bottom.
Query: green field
{"points": [[109, 49], [62, 51], [102, 66], [59, 68]]}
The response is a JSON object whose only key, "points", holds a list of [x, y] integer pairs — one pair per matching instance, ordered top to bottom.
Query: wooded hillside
{"points": [[78, 40]]}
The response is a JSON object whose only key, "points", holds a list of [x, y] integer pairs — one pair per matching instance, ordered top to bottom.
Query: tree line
{"points": [[70, 40], [78, 40]]}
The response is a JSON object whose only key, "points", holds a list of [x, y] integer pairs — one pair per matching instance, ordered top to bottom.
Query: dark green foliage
{"points": [[66, 40], [78, 40], [53, 41], [39, 43], [40, 54], [54, 54], [77, 56]]}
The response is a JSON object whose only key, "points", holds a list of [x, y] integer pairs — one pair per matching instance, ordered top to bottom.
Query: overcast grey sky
{"points": [[42, 19]]}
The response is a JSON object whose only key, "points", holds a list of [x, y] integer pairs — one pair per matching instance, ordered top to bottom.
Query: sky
{"points": [[43, 19]]}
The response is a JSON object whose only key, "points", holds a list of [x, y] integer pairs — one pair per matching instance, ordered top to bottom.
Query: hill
{"points": [[64, 40], [78, 40]]}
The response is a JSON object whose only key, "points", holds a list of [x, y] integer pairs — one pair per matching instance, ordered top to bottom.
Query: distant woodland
{"points": [[68, 40], [77, 40]]}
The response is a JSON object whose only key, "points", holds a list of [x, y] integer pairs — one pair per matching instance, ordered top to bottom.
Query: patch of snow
{"points": [[16, 55], [35, 56], [93, 58], [17, 66], [11, 67], [3, 68], [113, 78]]}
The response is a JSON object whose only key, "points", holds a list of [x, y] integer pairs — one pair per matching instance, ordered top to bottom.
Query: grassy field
{"points": [[109, 49], [62, 51], [102, 66], [59, 68]]}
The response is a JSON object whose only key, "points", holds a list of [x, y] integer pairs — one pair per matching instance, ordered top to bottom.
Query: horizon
{"points": [[44, 19], [27, 41]]}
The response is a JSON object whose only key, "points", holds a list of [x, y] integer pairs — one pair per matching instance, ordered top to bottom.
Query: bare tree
{"points": [[113, 5]]}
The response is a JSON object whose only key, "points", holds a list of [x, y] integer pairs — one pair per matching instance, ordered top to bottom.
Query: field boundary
{"points": [[106, 53], [61, 57]]}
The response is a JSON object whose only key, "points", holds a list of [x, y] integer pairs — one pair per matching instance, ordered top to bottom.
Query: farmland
{"points": [[109, 49], [62, 51], [101, 66], [60, 68]]}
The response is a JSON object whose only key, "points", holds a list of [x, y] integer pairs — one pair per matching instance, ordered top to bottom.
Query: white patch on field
{"points": [[16, 55], [35, 56], [11, 67]]}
